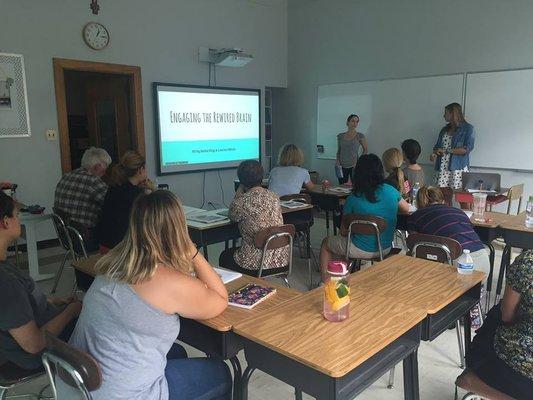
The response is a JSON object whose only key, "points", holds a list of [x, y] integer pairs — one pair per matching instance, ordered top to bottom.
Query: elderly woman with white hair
{"points": [[80, 193]]}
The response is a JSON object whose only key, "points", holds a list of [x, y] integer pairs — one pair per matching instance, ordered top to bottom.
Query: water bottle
{"points": [[414, 193], [529, 212], [465, 264], [337, 292]]}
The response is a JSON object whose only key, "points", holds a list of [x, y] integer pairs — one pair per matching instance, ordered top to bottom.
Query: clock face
{"points": [[95, 35]]}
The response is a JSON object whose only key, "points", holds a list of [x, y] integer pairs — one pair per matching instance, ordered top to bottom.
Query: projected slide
{"points": [[203, 128]]}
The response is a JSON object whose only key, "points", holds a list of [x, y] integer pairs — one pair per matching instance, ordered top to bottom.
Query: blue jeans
{"points": [[196, 378]]}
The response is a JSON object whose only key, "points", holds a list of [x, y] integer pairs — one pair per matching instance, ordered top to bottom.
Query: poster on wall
{"points": [[14, 115]]}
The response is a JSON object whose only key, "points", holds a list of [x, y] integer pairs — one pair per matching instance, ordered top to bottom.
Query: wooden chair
{"points": [[516, 192], [303, 228], [273, 238], [443, 250], [76, 369], [12, 376]]}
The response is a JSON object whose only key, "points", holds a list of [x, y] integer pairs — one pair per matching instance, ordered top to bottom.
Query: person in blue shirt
{"points": [[453, 147], [289, 176], [371, 196]]}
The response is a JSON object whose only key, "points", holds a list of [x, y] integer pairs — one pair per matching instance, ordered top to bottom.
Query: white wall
{"points": [[162, 37], [334, 41]]}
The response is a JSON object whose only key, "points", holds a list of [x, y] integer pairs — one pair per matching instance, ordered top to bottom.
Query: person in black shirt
{"points": [[126, 181], [25, 312]]}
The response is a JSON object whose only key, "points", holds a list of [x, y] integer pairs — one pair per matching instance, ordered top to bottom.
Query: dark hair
{"points": [[352, 116], [411, 148], [250, 173], [367, 176], [7, 205]]}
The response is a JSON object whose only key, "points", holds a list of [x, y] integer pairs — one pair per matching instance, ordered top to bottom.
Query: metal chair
{"points": [[363, 225], [303, 229], [270, 239], [64, 241], [439, 249], [75, 369], [12, 376]]}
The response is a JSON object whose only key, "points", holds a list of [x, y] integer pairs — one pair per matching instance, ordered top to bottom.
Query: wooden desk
{"points": [[328, 200], [205, 234], [215, 336], [294, 343]]}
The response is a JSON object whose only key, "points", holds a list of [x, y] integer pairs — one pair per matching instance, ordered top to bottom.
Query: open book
{"points": [[250, 295]]}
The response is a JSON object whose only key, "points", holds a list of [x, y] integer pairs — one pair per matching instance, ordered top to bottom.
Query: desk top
{"points": [[318, 190], [25, 217], [492, 219], [516, 223], [400, 279], [232, 315], [298, 330]]}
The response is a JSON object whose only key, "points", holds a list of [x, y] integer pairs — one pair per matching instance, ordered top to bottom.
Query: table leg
{"points": [[327, 223], [308, 246], [204, 247], [33, 260], [506, 260], [491, 273], [467, 326], [237, 375], [410, 377], [244, 382], [298, 394]]}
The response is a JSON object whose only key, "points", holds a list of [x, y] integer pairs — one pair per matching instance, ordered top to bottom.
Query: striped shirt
{"points": [[442, 220]]}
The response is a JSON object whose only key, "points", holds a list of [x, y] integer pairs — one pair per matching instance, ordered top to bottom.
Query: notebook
{"points": [[292, 204], [206, 218], [227, 275], [250, 295]]}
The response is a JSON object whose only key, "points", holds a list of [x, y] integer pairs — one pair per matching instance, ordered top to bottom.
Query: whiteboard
{"points": [[500, 106], [390, 111]]}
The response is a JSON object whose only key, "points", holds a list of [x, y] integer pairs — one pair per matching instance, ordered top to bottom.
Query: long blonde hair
{"points": [[290, 155], [130, 162], [392, 163], [428, 195], [157, 235]]}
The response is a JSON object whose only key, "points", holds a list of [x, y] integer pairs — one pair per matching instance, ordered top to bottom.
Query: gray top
{"points": [[348, 149], [414, 176], [288, 180], [130, 340]]}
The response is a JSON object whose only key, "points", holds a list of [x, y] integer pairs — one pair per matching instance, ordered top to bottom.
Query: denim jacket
{"points": [[464, 137]]}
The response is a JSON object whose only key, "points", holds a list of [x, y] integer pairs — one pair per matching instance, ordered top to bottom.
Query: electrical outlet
{"points": [[51, 134]]}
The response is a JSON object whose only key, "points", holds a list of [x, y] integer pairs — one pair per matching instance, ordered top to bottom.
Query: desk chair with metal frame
{"points": [[303, 230], [273, 238], [64, 241], [439, 249], [76, 369], [12, 376]]}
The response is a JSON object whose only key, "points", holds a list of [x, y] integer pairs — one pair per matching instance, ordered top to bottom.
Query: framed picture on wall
{"points": [[14, 115]]}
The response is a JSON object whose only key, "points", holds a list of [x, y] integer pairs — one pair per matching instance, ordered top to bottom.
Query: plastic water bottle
{"points": [[414, 193], [529, 212], [465, 264]]}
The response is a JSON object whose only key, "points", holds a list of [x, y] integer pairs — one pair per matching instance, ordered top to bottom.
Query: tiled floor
{"points": [[438, 360]]}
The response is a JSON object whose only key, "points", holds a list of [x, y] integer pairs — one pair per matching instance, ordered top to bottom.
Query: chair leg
{"points": [[60, 271], [310, 273], [286, 281], [460, 342], [391, 378], [3, 393]]}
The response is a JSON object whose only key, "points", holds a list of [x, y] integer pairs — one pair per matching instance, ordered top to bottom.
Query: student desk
{"points": [[328, 200], [29, 221], [205, 234], [215, 336], [333, 360]]}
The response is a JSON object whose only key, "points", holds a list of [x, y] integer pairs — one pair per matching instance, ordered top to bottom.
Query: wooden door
{"points": [[108, 114]]}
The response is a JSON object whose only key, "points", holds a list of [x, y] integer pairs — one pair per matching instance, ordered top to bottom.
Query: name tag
{"points": [[432, 257]]}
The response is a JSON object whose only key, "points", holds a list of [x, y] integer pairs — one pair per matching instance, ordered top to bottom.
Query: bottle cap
{"points": [[466, 251], [337, 268]]}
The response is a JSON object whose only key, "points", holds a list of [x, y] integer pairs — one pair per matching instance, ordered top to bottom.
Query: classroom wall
{"points": [[162, 37], [347, 41]]}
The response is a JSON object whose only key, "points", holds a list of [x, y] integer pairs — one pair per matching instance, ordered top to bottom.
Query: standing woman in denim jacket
{"points": [[453, 147]]}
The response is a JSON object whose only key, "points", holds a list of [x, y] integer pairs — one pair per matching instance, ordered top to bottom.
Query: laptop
{"points": [[481, 182]]}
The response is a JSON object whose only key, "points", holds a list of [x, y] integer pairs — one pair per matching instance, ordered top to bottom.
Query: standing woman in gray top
{"points": [[348, 147], [131, 314]]}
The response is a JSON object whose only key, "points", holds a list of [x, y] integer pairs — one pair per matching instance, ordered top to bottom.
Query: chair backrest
{"points": [[447, 192], [515, 193], [301, 197], [358, 224], [62, 232], [273, 238], [78, 245], [435, 248], [73, 367]]}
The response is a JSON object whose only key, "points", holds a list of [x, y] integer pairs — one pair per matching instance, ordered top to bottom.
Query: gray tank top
{"points": [[348, 149], [130, 340]]}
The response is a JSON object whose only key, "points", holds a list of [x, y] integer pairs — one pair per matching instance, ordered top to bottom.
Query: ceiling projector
{"points": [[233, 57]]}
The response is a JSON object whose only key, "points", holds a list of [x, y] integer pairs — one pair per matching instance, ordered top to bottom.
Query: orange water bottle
{"points": [[337, 292]]}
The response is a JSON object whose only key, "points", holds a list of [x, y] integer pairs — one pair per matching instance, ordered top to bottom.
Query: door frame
{"points": [[61, 65]]}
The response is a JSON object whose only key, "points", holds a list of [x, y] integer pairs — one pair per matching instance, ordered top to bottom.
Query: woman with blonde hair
{"points": [[453, 147], [392, 163], [289, 176], [127, 180], [131, 313]]}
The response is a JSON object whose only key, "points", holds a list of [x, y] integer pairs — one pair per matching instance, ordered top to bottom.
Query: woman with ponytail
{"points": [[392, 163], [127, 180]]}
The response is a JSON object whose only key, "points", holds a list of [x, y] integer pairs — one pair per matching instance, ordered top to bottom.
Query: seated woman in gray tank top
{"points": [[131, 314]]}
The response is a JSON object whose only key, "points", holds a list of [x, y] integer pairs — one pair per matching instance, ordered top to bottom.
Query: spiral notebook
{"points": [[250, 295]]}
